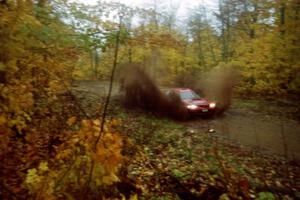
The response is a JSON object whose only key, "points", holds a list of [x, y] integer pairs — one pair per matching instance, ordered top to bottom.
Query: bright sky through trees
{"points": [[183, 5]]}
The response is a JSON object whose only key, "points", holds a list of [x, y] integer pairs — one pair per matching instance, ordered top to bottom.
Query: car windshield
{"points": [[188, 95]]}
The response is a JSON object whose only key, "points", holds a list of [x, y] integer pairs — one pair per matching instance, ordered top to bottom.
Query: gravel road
{"points": [[269, 133]]}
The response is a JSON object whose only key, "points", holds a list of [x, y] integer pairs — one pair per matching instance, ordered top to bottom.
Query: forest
{"points": [[66, 133]]}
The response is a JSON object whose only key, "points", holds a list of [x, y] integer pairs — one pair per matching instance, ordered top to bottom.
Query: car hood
{"points": [[198, 102]]}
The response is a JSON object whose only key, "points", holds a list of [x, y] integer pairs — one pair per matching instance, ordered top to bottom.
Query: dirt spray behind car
{"points": [[219, 85], [140, 91]]}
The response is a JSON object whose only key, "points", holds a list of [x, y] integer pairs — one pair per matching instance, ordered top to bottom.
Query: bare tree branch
{"points": [[110, 84]]}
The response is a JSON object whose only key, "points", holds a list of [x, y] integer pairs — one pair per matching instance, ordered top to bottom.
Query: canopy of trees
{"points": [[258, 38]]}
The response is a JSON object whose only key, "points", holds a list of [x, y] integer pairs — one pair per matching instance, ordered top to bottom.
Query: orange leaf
{"points": [[71, 121]]}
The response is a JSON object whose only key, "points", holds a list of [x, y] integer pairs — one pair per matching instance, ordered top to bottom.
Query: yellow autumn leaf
{"points": [[2, 120], [71, 121], [96, 122], [114, 122], [86, 123], [97, 131], [43, 166], [32, 177], [109, 179], [123, 197], [133, 197]]}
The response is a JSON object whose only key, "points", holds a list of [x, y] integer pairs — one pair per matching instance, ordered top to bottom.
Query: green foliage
{"points": [[177, 173], [266, 196]]}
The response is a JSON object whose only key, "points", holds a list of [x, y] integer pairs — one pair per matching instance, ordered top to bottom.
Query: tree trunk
{"points": [[282, 17], [200, 53]]}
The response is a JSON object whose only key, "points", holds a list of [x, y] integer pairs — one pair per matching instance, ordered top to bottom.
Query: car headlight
{"points": [[212, 105], [192, 106]]}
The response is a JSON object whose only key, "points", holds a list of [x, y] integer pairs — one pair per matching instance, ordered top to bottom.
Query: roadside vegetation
{"points": [[59, 140], [173, 161]]}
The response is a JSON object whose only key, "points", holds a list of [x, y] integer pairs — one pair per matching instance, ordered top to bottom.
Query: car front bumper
{"points": [[201, 111]]}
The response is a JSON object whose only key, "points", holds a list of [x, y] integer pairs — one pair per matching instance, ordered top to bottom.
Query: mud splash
{"points": [[219, 85], [140, 91]]}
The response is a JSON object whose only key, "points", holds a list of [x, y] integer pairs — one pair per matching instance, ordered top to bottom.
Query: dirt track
{"points": [[258, 130], [265, 133]]}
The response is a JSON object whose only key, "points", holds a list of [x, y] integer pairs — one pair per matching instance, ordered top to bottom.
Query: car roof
{"points": [[181, 89]]}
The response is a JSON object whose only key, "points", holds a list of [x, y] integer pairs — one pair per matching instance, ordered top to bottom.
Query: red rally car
{"points": [[192, 101]]}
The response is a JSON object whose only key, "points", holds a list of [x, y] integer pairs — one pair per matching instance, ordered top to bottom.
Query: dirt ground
{"points": [[262, 126], [265, 133]]}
